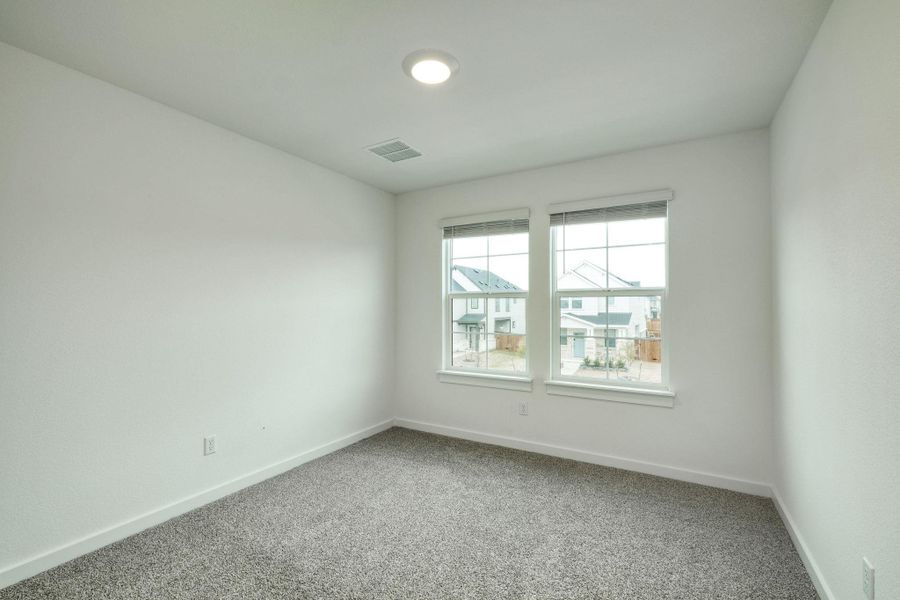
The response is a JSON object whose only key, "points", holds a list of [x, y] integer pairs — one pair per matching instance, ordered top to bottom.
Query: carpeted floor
{"points": [[406, 515]]}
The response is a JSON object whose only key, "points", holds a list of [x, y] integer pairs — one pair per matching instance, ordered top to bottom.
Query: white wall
{"points": [[836, 222], [162, 279], [718, 313]]}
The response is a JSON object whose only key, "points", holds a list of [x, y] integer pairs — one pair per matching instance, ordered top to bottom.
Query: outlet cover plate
{"points": [[868, 579]]}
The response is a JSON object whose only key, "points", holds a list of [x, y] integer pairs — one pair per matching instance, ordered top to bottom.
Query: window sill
{"points": [[506, 382], [612, 393]]}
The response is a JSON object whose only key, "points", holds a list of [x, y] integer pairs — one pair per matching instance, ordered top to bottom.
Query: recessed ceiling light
{"points": [[430, 67]]}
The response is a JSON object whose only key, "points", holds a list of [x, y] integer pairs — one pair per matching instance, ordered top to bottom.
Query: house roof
{"points": [[584, 265], [484, 279], [470, 318], [613, 318]]}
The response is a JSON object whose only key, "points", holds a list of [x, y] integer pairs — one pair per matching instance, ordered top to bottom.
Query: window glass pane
{"points": [[638, 231], [575, 237], [514, 243], [468, 247], [637, 266], [580, 269], [509, 273], [469, 275], [586, 309], [467, 315], [628, 316], [510, 318], [467, 326], [506, 336], [614, 338], [469, 351], [506, 352], [582, 355], [636, 361]]}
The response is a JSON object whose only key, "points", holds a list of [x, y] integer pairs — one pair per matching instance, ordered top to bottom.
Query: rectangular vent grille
{"points": [[394, 150]]}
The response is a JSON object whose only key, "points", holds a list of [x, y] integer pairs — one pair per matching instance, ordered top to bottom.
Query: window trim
{"points": [[491, 380], [582, 387], [611, 393]]}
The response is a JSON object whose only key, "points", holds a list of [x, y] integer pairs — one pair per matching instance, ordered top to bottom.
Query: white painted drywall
{"points": [[836, 224], [162, 279], [718, 313]]}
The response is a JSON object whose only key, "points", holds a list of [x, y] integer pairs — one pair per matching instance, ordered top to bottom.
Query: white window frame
{"points": [[449, 373], [659, 394]]}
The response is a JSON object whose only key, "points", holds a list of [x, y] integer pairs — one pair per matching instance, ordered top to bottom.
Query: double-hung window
{"points": [[609, 290], [485, 293]]}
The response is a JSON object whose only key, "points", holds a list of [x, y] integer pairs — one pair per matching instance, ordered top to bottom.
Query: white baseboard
{"points": [[720, 481], [67, 552], [815, 574]]}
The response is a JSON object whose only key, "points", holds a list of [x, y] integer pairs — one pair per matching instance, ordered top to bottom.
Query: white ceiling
{"points": [[540, 81]]}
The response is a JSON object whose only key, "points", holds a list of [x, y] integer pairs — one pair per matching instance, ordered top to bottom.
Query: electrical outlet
{"points": [[523, 408], [209, 445], [868, 579]]}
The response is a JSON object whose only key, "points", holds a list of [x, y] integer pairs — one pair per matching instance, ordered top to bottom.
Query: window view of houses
{"points": [[610, 278], [488, 332], [608, 337]]}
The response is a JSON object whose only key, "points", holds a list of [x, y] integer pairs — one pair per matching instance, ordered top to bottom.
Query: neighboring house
{"points": [[582, 320], [492, 321]]}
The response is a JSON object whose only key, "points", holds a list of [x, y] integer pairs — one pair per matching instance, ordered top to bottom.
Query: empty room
{"points": [[419, 299]]}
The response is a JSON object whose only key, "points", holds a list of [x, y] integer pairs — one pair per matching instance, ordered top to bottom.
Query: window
{"points": [[486, 260], [609, 262]]}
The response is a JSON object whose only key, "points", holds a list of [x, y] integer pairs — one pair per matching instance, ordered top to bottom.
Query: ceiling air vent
{"points": [[394, 150]]}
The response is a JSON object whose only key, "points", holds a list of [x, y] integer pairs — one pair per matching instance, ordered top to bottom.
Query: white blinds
{"points": [[625, 207], [627, 212], [496, 223], [486, 228]]}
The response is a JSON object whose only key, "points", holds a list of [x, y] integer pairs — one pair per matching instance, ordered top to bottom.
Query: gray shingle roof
{"points": [[485, 280], [613, 318]]}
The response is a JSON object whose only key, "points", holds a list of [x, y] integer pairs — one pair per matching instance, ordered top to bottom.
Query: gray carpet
{"points": [[412, 515]]}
